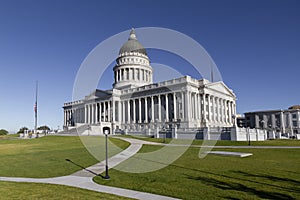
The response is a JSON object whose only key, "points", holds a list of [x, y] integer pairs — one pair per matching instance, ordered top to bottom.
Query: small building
{"points": [[286, 122]]}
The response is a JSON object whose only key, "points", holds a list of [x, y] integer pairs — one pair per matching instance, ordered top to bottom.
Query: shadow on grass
{"points": [[84, 168], [269, 177], [228, 185], [281, 187]]}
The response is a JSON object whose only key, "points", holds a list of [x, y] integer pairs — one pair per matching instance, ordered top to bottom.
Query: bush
{"points": [[45, 128], [22, 130], [3, 132]]}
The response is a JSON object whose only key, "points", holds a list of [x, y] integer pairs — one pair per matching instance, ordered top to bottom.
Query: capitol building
{"points": [[136, 105]]}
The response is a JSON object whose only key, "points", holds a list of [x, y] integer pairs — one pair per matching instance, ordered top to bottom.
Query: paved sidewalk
{"points": [[84, 178]]}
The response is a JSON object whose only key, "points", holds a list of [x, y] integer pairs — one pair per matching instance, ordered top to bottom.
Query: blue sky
{"points": [[255, 44]]}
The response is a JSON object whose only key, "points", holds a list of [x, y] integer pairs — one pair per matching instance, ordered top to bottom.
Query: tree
{"points": [[45, 128], [22, 129], [3, 132]]}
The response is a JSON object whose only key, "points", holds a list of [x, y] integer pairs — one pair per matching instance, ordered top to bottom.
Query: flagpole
{"points": [[35, 108]]}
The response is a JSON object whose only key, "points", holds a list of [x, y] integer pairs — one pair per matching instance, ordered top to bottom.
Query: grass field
{"points": [[9, 136], [226, 142], [46, 156], [269, 174], [34, 191]]}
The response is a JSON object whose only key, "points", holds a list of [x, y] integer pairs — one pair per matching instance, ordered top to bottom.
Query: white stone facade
{"points": [[137, 105], [286, 122]]}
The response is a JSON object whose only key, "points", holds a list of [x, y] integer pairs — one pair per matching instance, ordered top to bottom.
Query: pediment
{"points": [[221, 88], [98, 94]]}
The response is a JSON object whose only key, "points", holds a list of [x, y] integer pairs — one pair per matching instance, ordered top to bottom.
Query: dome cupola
{"points": [[132, 45], [132, 67]]}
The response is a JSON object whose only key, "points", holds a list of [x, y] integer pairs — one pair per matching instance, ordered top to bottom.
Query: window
{"points": [[294, 116], [294, 123]]}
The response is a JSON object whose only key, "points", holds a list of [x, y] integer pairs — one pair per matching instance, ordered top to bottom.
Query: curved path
{"points": [[84, 178]]}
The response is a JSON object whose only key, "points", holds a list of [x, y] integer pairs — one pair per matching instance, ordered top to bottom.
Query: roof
{"points": [[132, 45]]}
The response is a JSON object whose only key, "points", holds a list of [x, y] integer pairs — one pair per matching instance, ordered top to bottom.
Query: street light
{"points": [[233, 119], [106, 131], [249, 136]]}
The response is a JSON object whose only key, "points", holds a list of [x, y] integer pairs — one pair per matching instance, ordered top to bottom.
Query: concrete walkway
{"points": [[84, 178]]}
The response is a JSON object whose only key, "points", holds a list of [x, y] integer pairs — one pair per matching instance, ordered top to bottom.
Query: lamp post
{"points": [[233, 119], [106, 132], [249, 136]]}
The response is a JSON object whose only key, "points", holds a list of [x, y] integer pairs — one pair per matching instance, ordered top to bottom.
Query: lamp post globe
{"points": [[106, 132]]}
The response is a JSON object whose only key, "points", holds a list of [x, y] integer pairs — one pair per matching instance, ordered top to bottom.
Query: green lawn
{"points": [[9, 137], [225, 142], [46, 156], [269, 174], [10, 190]]}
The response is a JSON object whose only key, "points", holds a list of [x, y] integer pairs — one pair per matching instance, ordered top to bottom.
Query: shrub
{"points": [[3, 132]]}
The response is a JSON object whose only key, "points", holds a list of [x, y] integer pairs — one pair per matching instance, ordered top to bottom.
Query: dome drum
{"points": [[132, 67]]}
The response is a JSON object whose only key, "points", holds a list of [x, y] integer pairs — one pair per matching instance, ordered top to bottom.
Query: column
{"points": [[130, 73], [125, 74], [133, 74], [140, 74], [174, 106], [182, 106], [186, 106], [192, 106], [197, 106], [167, 107], [200, 107], [204, 107], [159, 108], [209, 108], [213, 108], [146, 109], [152, 109], [217, 109], [134, 110], [104, 111], [108, 111], [113, 111], [128, 111], [140, 111], [224, 111], [229, 111], [100, 112], [123, 112], [93, 113], [97, 113], [85, 114], [88, 114], [65, 116], [273, 121], [282, 122], [265, 124], [257, 125]]}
